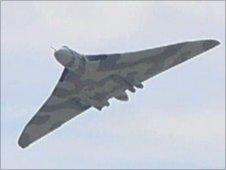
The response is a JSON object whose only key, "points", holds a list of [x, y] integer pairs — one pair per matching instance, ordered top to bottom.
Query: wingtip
{"points": [[215, 42], [208, 44], [23, 141], [22, 146]]}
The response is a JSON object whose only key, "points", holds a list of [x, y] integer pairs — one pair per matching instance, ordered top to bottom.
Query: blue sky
{"points": [[176, 121]]}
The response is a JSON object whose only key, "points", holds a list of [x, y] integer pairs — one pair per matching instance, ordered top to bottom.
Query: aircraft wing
{"points": [[148, 63], [129, 70], [58, 109]]}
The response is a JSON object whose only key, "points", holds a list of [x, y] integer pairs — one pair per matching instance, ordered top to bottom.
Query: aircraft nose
{"points": [[62, 52], [57, 53]]}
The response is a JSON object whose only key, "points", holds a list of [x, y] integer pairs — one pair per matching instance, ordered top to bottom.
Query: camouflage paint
{"points": [[87, 82]]}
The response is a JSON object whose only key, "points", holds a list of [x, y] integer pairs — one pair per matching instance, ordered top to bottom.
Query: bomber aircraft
{"points": [[91, 80]]}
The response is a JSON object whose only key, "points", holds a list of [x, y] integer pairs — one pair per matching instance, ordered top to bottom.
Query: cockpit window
{"points": [[96, 57]]}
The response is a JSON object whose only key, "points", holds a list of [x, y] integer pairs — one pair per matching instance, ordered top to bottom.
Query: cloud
{"points": [[176, 121]]}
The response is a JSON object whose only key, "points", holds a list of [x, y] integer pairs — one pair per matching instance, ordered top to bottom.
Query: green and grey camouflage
{"points": [[91, 80]]}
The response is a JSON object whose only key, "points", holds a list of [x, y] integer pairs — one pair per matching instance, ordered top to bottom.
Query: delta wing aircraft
{"points": [[91, 80]]}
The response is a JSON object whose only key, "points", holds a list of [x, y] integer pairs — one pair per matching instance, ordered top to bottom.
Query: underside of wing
{"points": [[148, 63], [128, 70], [55, 111]]}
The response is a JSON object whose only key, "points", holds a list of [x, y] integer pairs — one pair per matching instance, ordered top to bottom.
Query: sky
{"points": [[176, 121]]}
